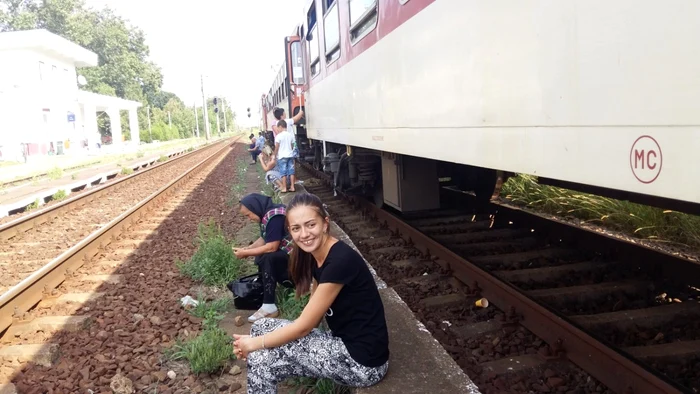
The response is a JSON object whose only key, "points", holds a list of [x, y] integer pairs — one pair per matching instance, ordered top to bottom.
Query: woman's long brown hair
{"points": [[301, 264]]}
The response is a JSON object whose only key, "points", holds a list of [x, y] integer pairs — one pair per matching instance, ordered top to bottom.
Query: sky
{"points": [[237, 44]]}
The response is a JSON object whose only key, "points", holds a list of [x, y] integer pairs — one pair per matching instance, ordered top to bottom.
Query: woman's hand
{"points": [[240, 253], [243, 345]]}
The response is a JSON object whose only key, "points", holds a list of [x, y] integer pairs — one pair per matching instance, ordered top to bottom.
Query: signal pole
{"points": [[223, 101], [216, 111], [206, 115]]}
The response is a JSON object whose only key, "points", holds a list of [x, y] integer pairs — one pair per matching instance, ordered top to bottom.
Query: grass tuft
{"points": [[162, 158], [127, 171], [55, 173], [59, 195], [636, 220], [214, 263], [207, 353]]}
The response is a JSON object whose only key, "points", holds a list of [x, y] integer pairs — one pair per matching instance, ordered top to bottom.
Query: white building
{"points": [[41, 106]]}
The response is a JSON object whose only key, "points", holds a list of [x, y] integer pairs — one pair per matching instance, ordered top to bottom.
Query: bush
{"points": [[127, 171], [214, 263], [208, 352]]}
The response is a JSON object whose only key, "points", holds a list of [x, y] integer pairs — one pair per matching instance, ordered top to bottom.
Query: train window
{"points": [[327, 4], [311, 16], [363, 18], [331, 30], [296, 61]]}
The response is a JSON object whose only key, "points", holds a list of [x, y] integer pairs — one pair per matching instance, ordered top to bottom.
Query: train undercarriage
{"points": [[405, 183]]}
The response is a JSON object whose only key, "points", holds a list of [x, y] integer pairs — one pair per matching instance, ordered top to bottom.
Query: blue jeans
{"points": [[286, 166]]}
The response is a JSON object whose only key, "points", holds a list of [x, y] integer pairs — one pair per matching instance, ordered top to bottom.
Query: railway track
{"points": [[99, 230], [33, 240], [626, 315]]}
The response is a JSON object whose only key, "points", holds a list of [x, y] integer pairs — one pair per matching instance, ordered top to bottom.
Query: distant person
{"points": [[261, 140], [253, 148], [284, 152], [355, 352]]}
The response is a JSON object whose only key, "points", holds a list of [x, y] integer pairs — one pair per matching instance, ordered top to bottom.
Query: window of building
{"points": [[363, 18], [331, 30]]}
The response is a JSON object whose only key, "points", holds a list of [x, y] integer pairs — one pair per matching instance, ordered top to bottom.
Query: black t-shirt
{"points": [[275, 230], [357, 314]]}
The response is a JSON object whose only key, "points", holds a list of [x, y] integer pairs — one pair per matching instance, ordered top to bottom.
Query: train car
{"points": [[287, 90], [404, 97]]}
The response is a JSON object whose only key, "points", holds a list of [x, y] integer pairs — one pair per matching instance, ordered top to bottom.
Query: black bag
{"points": [[247, 292]]}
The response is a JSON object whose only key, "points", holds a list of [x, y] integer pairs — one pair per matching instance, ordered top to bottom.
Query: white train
{"points": [[401, 95]]}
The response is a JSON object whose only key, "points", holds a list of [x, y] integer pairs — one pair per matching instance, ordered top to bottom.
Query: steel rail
{"points": [[25, 223], [26, 294], [618, 372]]}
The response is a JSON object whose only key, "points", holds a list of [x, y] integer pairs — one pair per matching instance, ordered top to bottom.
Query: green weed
{"points": [[140, 154], [162, 158], [127, 171], [55, 173], [59, 195], [33, 205], [637, 220], [214, 262], [212, 310], [207, 353]]}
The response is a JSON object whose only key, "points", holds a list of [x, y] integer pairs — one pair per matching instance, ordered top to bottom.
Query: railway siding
{"points": [[116, 313]]}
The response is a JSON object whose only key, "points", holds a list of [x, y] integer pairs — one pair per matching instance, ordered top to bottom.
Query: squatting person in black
{"points": [[271, 250], [356, 350]]}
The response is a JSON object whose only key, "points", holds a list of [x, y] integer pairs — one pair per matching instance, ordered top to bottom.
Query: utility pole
{"points": [[224, 105], [148, 110], [206, 115], [196, 118]]}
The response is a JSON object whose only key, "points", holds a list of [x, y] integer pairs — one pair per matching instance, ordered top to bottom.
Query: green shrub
{"points": [[59, 195], [214, 263]]}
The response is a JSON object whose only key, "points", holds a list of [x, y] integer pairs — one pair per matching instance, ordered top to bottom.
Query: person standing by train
{"points": [[280, 114], [284, 152], [271, 250], [356, 350]]}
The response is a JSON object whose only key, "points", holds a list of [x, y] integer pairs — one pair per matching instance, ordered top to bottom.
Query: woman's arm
{"points": [[258, 242], [268, 247], [314, 285], [310, 317]]}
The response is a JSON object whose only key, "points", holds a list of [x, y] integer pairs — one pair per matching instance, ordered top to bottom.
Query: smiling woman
{"points": [[356, 350]]}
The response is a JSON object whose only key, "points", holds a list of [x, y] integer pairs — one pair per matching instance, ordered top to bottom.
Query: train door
{"points": [[296, 78]]}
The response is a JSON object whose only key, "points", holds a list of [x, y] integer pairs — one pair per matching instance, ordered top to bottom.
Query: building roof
{"points": [[52, 44], [103, 102]]}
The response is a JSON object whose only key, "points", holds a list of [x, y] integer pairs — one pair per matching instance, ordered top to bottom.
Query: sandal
{"points": [[262, 314]]}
